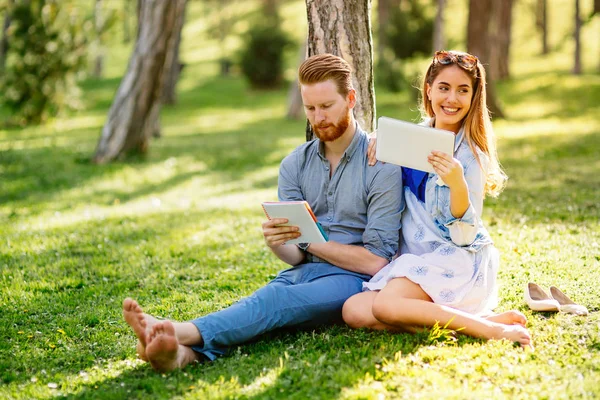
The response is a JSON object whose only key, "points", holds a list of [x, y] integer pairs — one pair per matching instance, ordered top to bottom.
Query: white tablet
{"points": [[408, 145]]}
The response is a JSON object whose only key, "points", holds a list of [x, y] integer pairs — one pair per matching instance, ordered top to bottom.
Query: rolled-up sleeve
{"points": [[385, 205], [463, 231]]}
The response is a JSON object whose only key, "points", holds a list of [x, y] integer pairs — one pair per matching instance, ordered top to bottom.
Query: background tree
{"points": [[385, 9], [127, 20], [542, 23], [344, 29], [577, 38], [4, 39], [439, 42], [478, 43], [47, 49], [500, 49], [262, 60], [173, 64], [294, 98], [134, 115]]}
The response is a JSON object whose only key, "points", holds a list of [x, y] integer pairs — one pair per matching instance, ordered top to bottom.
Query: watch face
{"points": [[303, 246]]}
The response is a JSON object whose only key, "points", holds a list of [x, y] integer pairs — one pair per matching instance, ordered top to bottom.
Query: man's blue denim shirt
{"points": [[359, 205]]}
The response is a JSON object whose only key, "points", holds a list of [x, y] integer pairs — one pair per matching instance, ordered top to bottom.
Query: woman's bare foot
{"points": [[508, 318], [140, 323], [514, 333], [163, 349]]}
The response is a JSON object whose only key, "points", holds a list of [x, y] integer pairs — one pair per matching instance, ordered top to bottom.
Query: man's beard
{"points": [[331, 132]]}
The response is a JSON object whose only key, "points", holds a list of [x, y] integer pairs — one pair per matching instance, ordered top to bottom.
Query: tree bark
{"points": [[542, 23], [344, 28], [577, 36], [478, 40], [439, 42], [500, 49], [173, 66], [294, 97], [133, 116]]}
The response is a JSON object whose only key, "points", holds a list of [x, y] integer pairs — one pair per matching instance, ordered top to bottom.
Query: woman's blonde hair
{"points": [[477, 124]]}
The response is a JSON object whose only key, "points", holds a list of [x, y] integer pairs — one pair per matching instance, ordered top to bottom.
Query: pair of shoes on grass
{"points": [[538, 300]]}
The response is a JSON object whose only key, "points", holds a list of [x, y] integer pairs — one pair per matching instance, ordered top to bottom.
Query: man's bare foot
{"points": [[508, 318], [140, 323], [163, 349]]}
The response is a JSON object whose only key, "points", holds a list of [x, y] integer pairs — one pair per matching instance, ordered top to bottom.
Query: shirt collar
{"points": [[358, 134]]}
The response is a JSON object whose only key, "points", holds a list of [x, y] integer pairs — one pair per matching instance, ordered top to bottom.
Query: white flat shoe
{"points": [[538, 300], [566, 304]]}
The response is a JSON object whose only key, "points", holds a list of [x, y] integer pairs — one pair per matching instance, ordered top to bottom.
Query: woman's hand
{"points": [[371, 148], [448, 168], [276, 235]]}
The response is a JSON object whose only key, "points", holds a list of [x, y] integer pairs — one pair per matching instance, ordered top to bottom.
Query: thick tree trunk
{"points": [[542, 23], [344, 28], [577, 36], [478, 40], [439, 42], [500, 49], [173, 64], [294, 97], [133, 116]]}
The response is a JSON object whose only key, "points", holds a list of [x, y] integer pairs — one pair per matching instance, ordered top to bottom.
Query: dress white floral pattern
{"points": [[451, 275]]}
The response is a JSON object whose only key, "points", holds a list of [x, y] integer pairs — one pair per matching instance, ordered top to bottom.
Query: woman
{"points": [[446, 273]]}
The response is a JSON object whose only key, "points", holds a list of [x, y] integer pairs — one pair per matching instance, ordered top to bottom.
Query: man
{"points": [[358, 206]]}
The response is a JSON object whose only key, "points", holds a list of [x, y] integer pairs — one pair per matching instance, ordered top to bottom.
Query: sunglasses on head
{"points": [[465, 60]]}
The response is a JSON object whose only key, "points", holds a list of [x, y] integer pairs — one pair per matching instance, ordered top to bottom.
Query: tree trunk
{"points": [[596, 6], [270, 8], [385, 8], [126, 21], [542, 23], [99, 26], [344, 29], [577, 37], [478, 40], [439, 42], [500, 49], [173, 64], [294, 97], [133, 116]]}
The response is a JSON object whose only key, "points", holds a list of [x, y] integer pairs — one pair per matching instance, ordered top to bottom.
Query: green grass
{"points": [[180, 231]]}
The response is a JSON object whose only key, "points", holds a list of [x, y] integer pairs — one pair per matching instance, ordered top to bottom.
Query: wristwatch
{"points": [[303, 246]]}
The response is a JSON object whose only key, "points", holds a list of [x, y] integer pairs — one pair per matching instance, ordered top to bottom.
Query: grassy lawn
{"points": [[179, 231]]}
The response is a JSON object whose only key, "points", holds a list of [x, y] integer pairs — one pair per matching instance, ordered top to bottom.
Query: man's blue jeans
{"points": [[307, 295]]}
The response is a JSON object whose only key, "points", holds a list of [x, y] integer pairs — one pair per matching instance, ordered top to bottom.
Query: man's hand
{"points": [[276, 235]]}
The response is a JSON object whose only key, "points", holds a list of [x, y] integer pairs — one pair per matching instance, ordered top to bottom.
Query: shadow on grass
{"points": [[269, 367]]}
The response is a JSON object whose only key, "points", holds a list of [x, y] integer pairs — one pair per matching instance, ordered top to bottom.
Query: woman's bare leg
{"points": [[392, 307]]}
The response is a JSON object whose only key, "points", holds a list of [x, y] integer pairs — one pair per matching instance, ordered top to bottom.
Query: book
{"points": [[298, 213]]}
